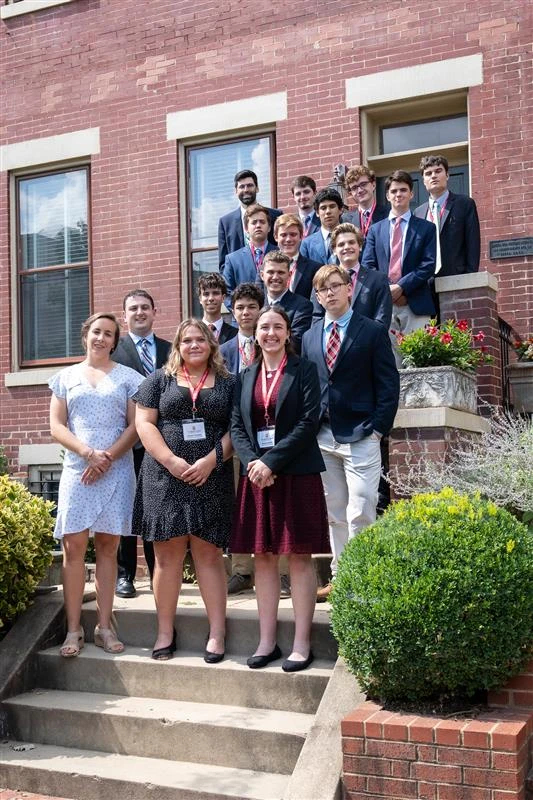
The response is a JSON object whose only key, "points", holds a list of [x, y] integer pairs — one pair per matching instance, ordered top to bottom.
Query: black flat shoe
{"points": [[165, 653], [212, 658], [256, 662], [296, 666]]}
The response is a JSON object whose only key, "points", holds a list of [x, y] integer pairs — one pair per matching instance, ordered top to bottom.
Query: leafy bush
{"points": [[26, 525], [435, 600]]}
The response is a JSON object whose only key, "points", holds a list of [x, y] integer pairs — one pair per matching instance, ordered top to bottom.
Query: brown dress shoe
{"points": [[323, 593]]}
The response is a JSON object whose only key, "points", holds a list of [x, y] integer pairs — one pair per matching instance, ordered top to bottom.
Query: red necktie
{"points": [[395, 265], [333, 346]]}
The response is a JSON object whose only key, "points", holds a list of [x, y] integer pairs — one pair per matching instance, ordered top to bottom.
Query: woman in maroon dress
{"points": [[281, 507]]}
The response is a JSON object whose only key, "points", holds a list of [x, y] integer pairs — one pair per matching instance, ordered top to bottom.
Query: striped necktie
{"points": [[146, 356]]}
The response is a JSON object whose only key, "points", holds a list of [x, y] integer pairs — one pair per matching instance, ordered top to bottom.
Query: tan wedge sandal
{"points": [[107, 638], [73, 643]]}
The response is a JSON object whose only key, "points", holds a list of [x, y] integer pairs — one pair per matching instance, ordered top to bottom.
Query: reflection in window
{"points": [[419, 135], [211, 193], [53, 263]]}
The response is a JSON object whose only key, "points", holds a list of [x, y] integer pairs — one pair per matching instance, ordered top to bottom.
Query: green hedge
{"points": [[26, 526], [436, 599]]}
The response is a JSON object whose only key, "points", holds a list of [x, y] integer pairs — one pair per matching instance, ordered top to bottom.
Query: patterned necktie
{"points": [[436, 219], [307, 224], [258, 257], [395, 265], [213, 329], [333, 347], [247, 351], [146, 357]]}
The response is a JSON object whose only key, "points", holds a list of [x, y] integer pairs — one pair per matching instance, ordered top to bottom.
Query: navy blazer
{"points": [[231, 233], [460, 240], [314, 248], [418, 262], [240, 268], [304, 273], [371, 298], [300, 313], [227, 332], [126, 353], [230, 353], [361, 393], [295, 450]]}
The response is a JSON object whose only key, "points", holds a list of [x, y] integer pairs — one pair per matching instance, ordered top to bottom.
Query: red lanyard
{"points": [[365, 224], [195, 391], [266, 395]]}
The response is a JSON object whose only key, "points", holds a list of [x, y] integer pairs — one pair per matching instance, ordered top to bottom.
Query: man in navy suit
{"points": [[361, 184], [303, 190], [231, 229], [288, 233], [458, 236], [317, 247], [403, 248], [244, 265], [275, 274], [370, 289], [211, 293], [139, 315], [359, 398]]}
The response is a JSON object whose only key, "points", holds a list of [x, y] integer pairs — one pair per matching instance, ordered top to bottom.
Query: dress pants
{"points": [[351, 483], [127, 549]]}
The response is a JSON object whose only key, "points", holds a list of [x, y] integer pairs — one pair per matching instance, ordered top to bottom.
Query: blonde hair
{"points": [[326, 271], [215, 360]]}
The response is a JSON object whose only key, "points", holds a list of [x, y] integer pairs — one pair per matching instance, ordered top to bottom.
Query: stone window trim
{"points": [[14, 8]]}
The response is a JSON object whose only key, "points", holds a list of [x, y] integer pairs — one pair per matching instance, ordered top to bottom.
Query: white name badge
{"points": [[193, 429], [265, 437]]}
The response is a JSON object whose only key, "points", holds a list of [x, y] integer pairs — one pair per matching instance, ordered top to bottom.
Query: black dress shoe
{"points": [[125, 588], [165, 653], [212, 658], [256, 662], [296, 666]]}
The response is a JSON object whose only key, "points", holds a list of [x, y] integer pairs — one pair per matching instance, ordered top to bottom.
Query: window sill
{"points": [[28, 6], [31, 377]]}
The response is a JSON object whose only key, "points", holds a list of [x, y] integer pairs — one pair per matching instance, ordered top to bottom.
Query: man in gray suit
{"points": [[144, 352]]}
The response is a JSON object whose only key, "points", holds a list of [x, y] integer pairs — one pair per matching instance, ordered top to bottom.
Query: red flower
{"points": [[462, 325], [432, 330], [400, 337], [479, 337], [446, 338]]}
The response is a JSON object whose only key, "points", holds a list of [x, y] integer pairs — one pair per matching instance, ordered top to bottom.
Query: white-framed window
{"points": [[43, 480]]}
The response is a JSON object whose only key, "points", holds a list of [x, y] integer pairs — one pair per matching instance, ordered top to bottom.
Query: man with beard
{"points": [[231, 230]]}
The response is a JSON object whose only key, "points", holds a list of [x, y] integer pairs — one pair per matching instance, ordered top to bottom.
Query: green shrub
{"points": [[26, 525], [435, 600]]}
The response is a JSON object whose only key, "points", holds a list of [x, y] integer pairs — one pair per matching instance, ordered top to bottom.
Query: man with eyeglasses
{"points": [[360, 182], [359, 397]]}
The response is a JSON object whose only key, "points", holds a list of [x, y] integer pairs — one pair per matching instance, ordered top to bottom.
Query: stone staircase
{"points": [[129, 728]]}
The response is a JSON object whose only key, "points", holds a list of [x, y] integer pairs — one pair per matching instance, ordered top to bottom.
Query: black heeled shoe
{"points": [[165, 653], [212, 658], [257, 662], [296, 666]]}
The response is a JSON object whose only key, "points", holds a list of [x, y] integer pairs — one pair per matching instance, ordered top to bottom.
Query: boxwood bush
{"points": [[26, 525], [435, 600]]}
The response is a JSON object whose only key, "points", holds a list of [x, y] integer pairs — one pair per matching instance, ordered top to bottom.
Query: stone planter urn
{"points": [[520, 375], [430, 387]]}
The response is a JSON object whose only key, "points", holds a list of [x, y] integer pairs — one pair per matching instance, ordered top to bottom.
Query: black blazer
{"points": [[460, 241], [304, 273], [372, 297], [227, 332], [126, 353], [361, 393], [295, 451]]}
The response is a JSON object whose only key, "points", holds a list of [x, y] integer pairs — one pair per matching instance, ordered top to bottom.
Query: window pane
{"points": [[431, 133], [211, 191], [53, 219], [201, 264], [54, 305]]}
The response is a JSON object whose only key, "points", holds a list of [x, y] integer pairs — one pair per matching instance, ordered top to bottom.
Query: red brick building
{"points": [[122, 124]]}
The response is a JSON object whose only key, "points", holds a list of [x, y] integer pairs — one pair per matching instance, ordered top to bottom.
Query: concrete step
{"points": [[137, 627], [185, 677], [207, 733], [92, 775]]}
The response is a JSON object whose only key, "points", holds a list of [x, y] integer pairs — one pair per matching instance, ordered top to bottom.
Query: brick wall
{"points": [[123, 65]]}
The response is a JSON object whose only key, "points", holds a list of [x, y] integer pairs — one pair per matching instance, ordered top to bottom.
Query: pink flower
{"points": [[462, 325], [432, 330], [400, 337], [479, 337], [446, 338]]}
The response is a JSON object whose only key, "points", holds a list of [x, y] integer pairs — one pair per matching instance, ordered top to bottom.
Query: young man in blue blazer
{"points": [[329, 206], [231, 230], [403, 248], [244, 265], [359, 397]]}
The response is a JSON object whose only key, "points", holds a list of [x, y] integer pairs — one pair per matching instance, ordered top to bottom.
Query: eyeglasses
{"points": [[355, 189], [333, 288]]}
